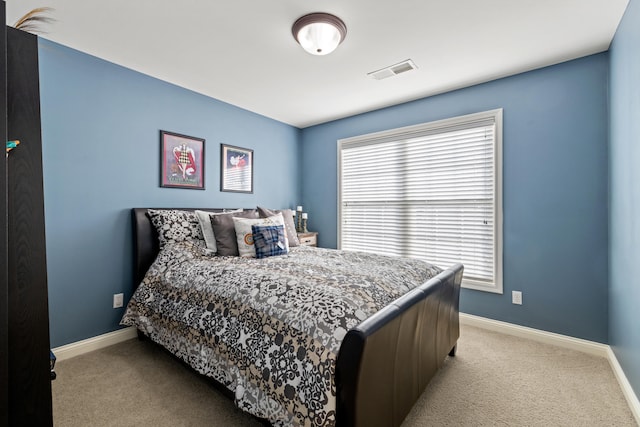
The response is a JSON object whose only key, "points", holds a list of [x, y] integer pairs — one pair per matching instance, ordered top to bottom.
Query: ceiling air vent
{"points": [[393, 70]]}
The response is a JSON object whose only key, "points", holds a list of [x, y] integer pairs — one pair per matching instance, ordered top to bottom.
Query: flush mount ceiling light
{"points": [[319, 33]]}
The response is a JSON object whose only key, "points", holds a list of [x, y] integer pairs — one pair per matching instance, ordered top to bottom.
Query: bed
{"points": [[381, 364]]}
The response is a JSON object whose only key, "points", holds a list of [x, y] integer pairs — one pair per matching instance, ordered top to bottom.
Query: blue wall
{"points": [[100, 129], [555, 189], [624, 258]]}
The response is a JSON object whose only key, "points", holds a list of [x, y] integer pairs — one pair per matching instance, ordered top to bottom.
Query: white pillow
{"points": [[207, 228], [244, 233]]}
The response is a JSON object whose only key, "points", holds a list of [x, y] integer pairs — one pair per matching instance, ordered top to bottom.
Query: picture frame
{"points": [[181, 161], [236, 169]]}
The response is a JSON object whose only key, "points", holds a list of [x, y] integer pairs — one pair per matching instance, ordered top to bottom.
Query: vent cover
{"points": [[393, 70]]}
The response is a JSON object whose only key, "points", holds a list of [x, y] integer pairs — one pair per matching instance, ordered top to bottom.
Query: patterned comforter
{"points": [[268, 329]]}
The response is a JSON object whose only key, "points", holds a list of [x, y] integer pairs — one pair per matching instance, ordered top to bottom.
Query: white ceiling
{"points": [[242, 51]]}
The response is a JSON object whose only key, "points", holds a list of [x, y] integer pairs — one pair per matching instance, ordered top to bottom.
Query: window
{"points": [[431, 191]]}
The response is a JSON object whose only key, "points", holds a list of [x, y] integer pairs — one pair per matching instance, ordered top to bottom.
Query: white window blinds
{"points": [[430, 191]]}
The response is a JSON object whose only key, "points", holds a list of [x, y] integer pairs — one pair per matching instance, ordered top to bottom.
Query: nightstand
{"points": [[308, 239]]}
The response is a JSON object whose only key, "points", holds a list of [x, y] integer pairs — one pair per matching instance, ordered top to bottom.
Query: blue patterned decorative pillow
{"points": [[269, 240]]}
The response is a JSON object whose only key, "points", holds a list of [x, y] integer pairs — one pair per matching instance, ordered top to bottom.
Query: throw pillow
{"points": [[289, 225], [207, 228], [225, 233], [244, 233], [269, 240]]}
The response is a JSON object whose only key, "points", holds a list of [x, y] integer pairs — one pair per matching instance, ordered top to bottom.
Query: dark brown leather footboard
{"points": [[386, 362]]}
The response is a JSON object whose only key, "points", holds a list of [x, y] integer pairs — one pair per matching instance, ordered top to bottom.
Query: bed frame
{"points": [[385, 363]]}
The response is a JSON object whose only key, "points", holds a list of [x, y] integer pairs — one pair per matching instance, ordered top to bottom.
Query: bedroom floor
{"points": [[495, 380]]}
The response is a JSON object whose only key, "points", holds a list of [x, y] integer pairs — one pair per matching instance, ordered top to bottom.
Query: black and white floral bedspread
{"points": [[268, 329]]}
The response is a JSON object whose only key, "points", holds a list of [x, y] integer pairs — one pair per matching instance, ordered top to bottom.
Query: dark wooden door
{"points": [[4, 328], [29, 372]]}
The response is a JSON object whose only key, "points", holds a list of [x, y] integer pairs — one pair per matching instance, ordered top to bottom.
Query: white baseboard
{"points": [[564, 341], [90, 344], [629, 394]]}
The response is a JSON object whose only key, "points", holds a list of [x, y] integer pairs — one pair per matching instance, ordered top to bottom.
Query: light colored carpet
{"points": [[495, 380]]}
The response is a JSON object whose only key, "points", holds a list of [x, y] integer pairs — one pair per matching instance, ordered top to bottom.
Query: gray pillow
{"points": [[289, 226], [207, 229], [225, 231]]}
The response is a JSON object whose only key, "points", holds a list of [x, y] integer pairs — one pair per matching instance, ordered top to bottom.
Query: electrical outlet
{"points": [[516, 297], [118, 300]]}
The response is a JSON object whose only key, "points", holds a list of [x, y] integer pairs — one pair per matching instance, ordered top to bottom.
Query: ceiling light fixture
{"points": [[319, 33]]}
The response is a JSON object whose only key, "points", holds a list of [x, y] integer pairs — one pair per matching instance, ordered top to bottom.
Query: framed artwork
{"points": [[181, 161], [236, 169]]}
